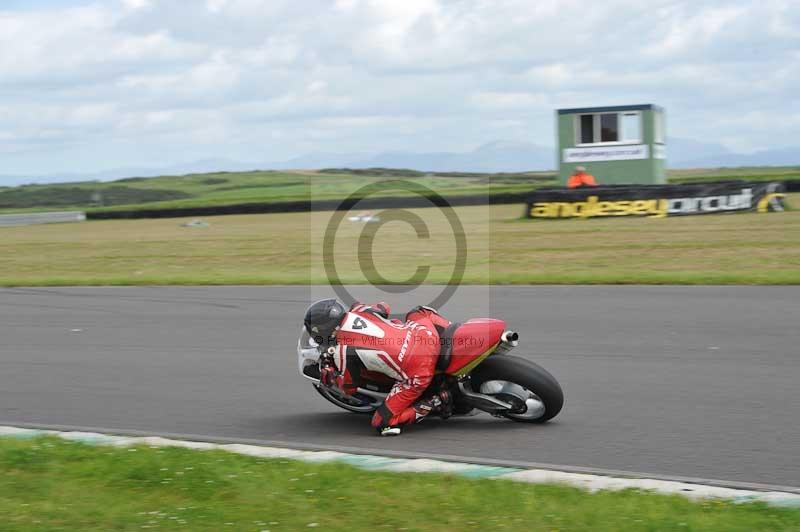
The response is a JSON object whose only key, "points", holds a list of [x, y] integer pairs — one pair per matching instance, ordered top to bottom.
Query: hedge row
{"points": [[64, 196], [308, 206]]}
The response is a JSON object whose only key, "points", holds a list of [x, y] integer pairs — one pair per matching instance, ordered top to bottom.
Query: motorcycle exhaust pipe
{"points": [[510, 337], [508, 341]]}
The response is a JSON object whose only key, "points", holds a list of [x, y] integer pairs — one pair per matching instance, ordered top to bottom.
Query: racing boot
{"points": [[438, 404]]}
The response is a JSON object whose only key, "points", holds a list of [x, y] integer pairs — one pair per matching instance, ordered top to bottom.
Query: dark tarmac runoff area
{"points": [[664, 380]]}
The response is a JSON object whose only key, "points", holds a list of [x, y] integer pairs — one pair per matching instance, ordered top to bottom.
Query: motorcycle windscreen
{"points": [[307, 355]]}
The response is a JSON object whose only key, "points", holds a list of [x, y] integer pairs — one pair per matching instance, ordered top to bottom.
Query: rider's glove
{"points": [[327, 372], [327, 376]]}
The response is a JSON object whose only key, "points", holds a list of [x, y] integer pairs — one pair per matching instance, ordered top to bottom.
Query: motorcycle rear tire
{"points": [[527, 374]]}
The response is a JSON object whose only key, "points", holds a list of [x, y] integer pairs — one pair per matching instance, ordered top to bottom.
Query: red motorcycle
{"points": [[473, 364]]}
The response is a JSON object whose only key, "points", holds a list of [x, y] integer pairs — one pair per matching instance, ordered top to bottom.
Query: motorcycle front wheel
{"points": [[535, 394]]}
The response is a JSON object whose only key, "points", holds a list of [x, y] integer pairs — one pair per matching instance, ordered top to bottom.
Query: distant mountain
{"points": [[682, 153], [687, 153], [497, 156], [513, 156], [778, 157], [317, 160], [195, 167]]}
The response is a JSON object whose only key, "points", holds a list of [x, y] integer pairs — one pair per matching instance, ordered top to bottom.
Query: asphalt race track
{"points": [[677, 381]]}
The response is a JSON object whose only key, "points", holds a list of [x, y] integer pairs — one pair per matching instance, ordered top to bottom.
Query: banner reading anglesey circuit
{"points": [[655, 201]]}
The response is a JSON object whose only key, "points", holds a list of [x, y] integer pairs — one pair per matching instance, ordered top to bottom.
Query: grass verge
{"points": [[233, 188], [501, 247], [52, 484]]}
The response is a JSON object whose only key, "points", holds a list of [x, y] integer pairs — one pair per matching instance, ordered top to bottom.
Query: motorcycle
{"points": [[473, 365]]}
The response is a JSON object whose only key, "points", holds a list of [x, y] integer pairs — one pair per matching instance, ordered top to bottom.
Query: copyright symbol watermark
{"points": [[367, 238]]}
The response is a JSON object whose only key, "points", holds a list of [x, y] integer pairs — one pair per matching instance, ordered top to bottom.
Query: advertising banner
{"points": [[606, 153], [655, 201]]}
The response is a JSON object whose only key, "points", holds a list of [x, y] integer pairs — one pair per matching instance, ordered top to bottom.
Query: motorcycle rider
{"points": [[363, 337]]}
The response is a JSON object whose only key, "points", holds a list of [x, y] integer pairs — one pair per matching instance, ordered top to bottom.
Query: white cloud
{"points": [[137, 4], [215, 6], [689, 29], [155, 79], [510, 100]]}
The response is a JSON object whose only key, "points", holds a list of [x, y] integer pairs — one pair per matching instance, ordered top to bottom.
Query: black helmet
{"points": [[322, 318]]}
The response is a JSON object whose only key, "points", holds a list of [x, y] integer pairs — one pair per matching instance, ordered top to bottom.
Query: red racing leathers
{"points": [[405, 351]]}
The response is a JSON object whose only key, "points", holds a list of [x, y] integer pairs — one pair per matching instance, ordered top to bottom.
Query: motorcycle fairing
{"points": [[473, 341]]}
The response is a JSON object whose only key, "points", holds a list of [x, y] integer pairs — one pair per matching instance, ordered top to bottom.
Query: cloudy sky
{"points": [[86, 86]]}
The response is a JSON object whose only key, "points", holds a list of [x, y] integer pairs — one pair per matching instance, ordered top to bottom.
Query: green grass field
{"points": [[747, 173], [247, 187], [230, 188], [501, 248], [50, 484]]}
